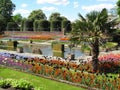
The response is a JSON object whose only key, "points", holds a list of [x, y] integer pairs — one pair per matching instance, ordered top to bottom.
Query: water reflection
{"points": [[47, 50]]}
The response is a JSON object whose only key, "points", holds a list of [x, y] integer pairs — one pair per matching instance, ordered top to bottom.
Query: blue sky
{"points": [[67, 8]]}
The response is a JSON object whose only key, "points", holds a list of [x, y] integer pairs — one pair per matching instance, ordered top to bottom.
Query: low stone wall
{"points": [[28, 33]]}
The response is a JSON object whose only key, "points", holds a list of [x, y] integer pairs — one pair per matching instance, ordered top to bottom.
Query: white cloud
{"points": [[55, 2], [76, 4], [24, 5], [97, 7], [49, 9], [23, 12]]}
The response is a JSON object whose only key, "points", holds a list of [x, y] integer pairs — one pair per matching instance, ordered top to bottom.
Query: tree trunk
{"points": [[95, 54]]}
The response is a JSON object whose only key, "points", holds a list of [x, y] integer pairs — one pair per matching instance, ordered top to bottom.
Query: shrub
{"points": [[5, 83], [21, 84]]}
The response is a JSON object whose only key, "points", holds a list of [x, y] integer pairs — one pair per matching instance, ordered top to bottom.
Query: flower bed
{"points": [[40, 37], [68, 71]]}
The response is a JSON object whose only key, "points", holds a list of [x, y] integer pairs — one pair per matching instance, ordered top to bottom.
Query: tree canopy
{"points": [[118, 7], [6, 9], [37, 15], [56, 17], [17, 18]]}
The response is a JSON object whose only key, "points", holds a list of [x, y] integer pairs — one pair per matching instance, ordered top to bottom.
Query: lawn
{"points": [[36, 81]]}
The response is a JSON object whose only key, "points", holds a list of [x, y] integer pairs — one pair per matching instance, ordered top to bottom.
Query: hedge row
{"points": [[40, 25]]}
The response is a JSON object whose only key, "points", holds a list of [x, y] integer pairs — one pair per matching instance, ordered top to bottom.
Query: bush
{"points": [[6, 83], [18, 84], [22, 84]]}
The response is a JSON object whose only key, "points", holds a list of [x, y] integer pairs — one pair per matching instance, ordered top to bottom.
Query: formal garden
{"points": [[37, 53]]}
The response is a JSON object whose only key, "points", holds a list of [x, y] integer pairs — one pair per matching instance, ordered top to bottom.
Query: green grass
{"points": [[36, 81]]}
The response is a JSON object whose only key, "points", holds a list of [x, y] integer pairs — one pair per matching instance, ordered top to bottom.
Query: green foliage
{"points": [[118, 7], [6, 10], [37, 15], [55, 17], [17, 18], [2, 24], [66, 24], [28, 25], [35, 25], [42, 25], [12, 26], [55, 26], [110, 44], [85, 48], [37, 81], [5, 83], [22, 84]]}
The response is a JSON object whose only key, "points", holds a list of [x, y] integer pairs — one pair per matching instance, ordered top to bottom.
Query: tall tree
{"points": [[118, 7], [6, 9], [37, 15], [55, 17], [17, 18], [92, 30]]}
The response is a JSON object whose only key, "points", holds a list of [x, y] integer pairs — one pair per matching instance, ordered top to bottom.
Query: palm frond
{"points": [[81, 17]]}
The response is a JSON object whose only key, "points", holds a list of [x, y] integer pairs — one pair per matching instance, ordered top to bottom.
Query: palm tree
{"points": [[92, 30]]}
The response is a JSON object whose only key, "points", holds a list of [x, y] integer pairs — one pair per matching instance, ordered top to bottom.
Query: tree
{"points": [[118, 7], [6, 10], [37, 15], [55, 17], [17, 18], [2, 24], [92, 30]]}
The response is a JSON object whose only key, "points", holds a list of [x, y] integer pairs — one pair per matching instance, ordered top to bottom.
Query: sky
{"points": [[67, 8]]}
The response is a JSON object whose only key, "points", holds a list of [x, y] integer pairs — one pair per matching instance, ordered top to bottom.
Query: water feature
{"points": [[47, 50]]}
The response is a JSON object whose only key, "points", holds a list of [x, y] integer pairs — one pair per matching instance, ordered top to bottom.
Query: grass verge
{"points": [[35, 80]]}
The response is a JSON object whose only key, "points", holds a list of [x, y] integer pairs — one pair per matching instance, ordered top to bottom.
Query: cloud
{"points": [[55, 2], [76, 4], [24, 5], [97, 7], [49, 9], [23, 12]]}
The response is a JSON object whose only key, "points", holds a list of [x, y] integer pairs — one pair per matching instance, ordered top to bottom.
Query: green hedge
{"points": [[27, 25], [35, 25], [41, 25], [66, 25], [12, 26], [55, 26]]}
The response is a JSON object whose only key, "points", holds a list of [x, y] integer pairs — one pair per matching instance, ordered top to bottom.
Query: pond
{"points": [[47, 50]]}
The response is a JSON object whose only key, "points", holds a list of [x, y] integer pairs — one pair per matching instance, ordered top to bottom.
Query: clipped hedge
{"points": [[27, 25], [35, 25], [41, 25], [66, 25], [12, 26], [55, 26]]}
